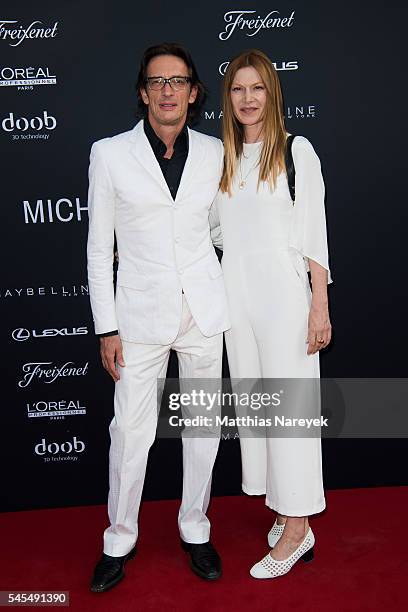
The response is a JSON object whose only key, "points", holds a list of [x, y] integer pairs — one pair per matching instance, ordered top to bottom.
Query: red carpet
{"points": [[361, 560]]}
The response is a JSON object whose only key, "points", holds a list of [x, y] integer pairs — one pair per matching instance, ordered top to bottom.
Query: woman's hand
{"points": [[319, 327]]}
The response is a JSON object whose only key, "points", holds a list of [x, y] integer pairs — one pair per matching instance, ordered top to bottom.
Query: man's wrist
{"points": [[111, 333]]}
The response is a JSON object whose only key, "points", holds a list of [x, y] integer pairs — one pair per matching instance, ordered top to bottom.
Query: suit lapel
{"points": [[142, 151], [192, 165]]}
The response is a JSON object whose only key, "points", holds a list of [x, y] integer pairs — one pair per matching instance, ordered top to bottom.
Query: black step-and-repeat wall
{"points": [[67, 75]]}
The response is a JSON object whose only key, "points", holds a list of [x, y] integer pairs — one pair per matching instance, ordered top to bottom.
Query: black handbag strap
{"points": [[290, 166]]}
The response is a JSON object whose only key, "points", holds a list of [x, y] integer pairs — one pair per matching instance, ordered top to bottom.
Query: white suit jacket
{"points": [[164, 245]]}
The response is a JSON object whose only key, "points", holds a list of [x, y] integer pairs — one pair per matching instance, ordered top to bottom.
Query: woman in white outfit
{"points": [[279, 322]]}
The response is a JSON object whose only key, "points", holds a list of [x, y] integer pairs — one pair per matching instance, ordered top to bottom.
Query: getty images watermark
{"points": [[253, 407], [281, 408]]}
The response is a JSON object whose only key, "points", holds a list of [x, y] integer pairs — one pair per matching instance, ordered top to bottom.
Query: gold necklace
{"points": [[242, 181]]}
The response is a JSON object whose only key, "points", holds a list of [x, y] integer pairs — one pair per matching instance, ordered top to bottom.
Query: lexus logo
{"points": [[293, 65], [21, 334]]}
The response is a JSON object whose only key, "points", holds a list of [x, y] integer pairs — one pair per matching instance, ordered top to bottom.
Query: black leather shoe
{"points": [[205, 561], [109, 571]]}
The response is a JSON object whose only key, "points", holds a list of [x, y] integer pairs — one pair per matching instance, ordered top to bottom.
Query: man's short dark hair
{"points": [[177, 50]]}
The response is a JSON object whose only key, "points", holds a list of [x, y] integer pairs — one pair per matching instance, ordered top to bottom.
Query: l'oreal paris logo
{"points": [[242, 20], [278, 66], [26, 77], [55, 409]]}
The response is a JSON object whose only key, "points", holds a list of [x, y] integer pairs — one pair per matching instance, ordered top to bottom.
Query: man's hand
{"points": [[111, 352]]}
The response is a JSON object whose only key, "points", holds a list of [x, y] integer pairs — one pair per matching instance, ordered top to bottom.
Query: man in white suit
{"points": [[153, 188]]}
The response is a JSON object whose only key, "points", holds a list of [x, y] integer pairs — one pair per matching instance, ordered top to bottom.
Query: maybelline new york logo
{"points": [[253, 23], [15, 34], [303, 111], [45, 290], [21, 334], [45, 371]]}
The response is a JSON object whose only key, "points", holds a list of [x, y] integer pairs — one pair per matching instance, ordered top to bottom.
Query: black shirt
{"points": [[172, 168]]}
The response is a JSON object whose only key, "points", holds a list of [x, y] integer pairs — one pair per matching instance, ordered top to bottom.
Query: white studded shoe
{"points": [[275, 533], [270, 568]]}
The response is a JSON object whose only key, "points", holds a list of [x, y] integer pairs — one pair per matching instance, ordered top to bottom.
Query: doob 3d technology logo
{"points": [[21, 128], [69, 450]]}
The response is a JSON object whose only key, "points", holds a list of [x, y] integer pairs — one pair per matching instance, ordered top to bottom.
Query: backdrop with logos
{"points": [[67, 78]]}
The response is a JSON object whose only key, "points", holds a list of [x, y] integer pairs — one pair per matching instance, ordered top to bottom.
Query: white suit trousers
{"points": [[133, 430]]}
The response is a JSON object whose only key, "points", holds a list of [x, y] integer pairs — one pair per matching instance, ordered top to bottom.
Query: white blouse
{"points": [[253, 217], [308, 229]]}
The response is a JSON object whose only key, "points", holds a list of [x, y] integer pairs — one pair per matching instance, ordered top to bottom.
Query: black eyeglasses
{"points": [[177, 82]]}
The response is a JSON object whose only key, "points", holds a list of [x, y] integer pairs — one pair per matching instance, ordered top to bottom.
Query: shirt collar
{"points": [[158, 146]]}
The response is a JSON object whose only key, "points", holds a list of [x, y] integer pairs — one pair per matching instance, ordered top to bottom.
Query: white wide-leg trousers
{"points": [[267, 339], [133, 429]]}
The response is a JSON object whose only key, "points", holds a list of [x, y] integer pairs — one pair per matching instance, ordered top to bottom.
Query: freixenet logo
{"points": [[251, 23], [15, 34], [21, 334], [49, 373]]}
